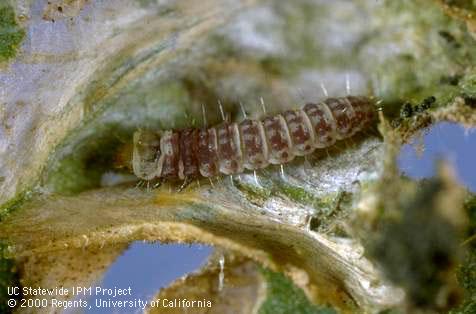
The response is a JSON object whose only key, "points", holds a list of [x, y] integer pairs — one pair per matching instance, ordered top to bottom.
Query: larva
{"points": [[230, 148]]}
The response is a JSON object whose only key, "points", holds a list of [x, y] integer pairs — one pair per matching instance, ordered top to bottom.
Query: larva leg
{"points": [[283, 174], [255, 176], [185, 183], [139, 184], [158, 184]]}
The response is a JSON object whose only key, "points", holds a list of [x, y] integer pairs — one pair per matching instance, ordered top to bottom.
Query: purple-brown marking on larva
{"points": [[365, 106], [344, 116], [360, 117], [323, 124], [300, 131], [279, 141], [229, 149], [255, 149], [208, 152], [169, 159], [188, 166]]}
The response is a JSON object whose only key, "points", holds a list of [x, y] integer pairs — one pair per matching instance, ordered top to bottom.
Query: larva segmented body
{"points": [[251, 144]]}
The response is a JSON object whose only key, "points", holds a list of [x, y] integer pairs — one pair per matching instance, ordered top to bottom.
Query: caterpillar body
{"points": [[230, 148]]}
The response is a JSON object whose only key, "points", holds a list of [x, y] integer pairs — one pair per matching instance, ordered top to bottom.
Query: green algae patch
{"points": [[11, 34], [435, 53], [468, 85], [93, 157], [278, 188], [253, 193], [300, 195], [13, 204], [470, 205], [467, 271], [8, 278], [467, 278], [284, 297]]}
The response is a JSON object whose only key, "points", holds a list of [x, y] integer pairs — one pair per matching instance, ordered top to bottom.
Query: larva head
{"points": [[146, 154]]}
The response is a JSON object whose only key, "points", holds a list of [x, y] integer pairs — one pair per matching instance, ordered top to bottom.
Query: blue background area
{"points": [[448, 141], [147, 267]]}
